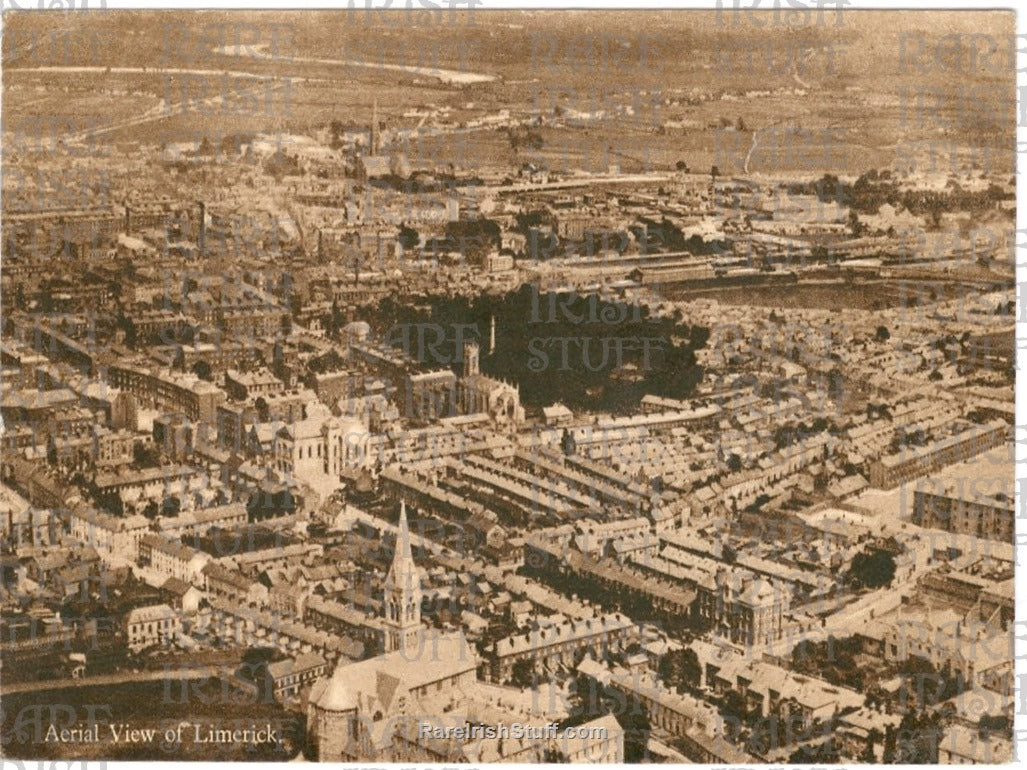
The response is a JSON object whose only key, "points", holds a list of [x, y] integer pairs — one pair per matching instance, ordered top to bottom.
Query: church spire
{"points": [[375, 139], [403, 538], [403, 568], [402, 593]]}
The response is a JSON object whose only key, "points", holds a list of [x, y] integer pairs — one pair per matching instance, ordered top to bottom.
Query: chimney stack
{"points": [[375, 139], [201, 240]]}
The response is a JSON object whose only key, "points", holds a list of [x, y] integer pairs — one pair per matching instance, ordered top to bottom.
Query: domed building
{"points": [[356, 331], [312, 449]]}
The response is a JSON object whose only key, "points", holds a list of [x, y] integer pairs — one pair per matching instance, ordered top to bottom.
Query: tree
{"points": [[531, 139], [681, 166], [935, 211], [855, 225], [408, 237], [46, 301], [334, 320], [882, 334], [202, 370], [567, 444], [145, 455], [734, 463], [872, 569], [681, 669], [522, 674], [590, 701], [733, 711], [634, 720], [989, 723], [873, 738], [917, 739], [890, 747], [822, 753]]}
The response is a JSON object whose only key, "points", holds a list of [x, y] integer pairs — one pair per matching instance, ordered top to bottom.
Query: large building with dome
{"points": [[320, 447]]}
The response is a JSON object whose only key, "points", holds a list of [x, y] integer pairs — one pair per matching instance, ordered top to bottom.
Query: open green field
{"points": [[850, 102]]}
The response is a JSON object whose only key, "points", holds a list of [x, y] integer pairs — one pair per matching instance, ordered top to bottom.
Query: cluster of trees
{"points": [[738, 123], [336, 129], [530, 139], [281, 164], [875, 188], [648, 234], [664, 234], [408, 237], [473, 239], [1007, 308], [335, 320], [563, 343], [326, 362], [203, 370], [878, 411], [796, 433], [905, 438], [146, 455], [268, 503], [219, 541], [873, 568], [833, 660], [681, 670], [592, 700], [994, 723], [916, 740], [826, 752]]}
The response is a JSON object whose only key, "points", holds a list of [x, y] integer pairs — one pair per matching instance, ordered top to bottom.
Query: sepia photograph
{"points": [[451, 382]]}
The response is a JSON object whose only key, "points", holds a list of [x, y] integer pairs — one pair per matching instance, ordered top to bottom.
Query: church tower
{"points": [[403, 595]]}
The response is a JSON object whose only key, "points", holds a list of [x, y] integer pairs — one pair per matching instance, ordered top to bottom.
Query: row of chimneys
{"points": [[201, 241]]}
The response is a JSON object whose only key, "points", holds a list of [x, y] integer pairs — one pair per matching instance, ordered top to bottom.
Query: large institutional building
{"points": [[422, 701]]}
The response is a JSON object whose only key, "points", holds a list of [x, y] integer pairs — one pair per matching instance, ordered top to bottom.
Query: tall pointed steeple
{"points": [[375, 138], [402, 558], [403, 594]]}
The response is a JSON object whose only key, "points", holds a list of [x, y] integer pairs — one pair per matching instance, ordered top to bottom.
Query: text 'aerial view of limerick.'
{"points": [[470, 385]]}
